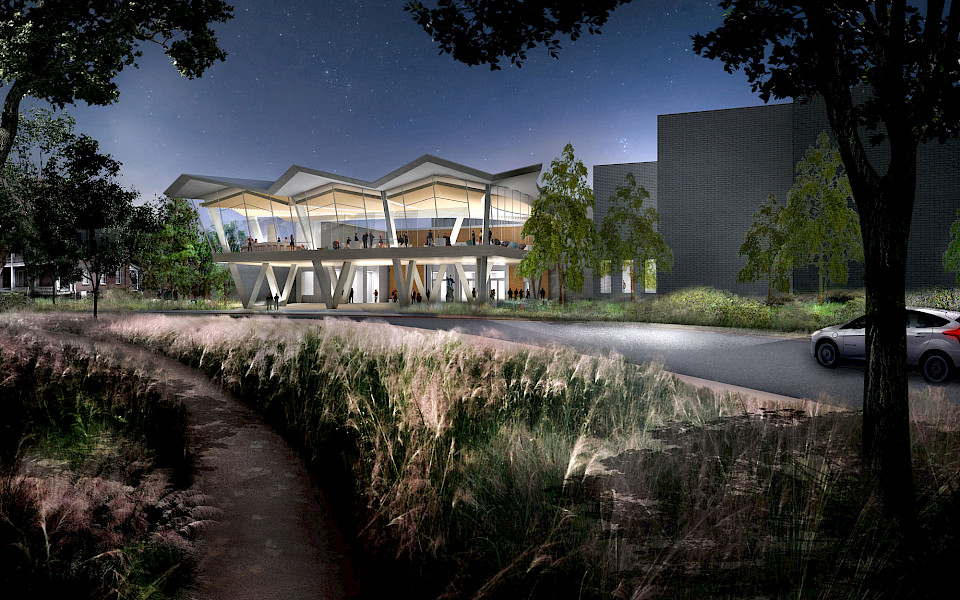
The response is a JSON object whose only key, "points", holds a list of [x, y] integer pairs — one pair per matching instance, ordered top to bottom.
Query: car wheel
{"points": [[827, 354], [935, 367]]}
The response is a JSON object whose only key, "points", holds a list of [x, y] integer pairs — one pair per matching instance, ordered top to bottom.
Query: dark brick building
{"points": [[715, 168]]}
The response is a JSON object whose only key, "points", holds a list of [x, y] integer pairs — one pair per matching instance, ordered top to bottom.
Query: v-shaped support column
{"points": [[266, 271], [347, 271], [322, 280], [437, 281], [288, 285], [465, 294]]}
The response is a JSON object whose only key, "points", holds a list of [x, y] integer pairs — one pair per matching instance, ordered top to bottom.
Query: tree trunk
{"points": [[10, 118], [95, 284], [886, 427]]}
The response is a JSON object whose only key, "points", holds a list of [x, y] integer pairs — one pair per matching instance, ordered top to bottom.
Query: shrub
{"points": [[14, 301]]}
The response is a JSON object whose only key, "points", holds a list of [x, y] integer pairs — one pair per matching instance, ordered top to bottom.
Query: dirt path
{"points": [[275, 538]]}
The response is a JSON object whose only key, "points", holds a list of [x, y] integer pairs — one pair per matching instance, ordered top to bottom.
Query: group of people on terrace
{"points": [[367, 240], [288, 243]]}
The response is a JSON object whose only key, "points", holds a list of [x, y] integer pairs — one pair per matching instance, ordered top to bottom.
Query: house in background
{"points": [[14, 279]]}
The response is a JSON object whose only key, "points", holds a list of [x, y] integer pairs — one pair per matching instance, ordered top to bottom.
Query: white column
{"points": [[388, 217], [218, 227], [306, 231], [456, 231]]}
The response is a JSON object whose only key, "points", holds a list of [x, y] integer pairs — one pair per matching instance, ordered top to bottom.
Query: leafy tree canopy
{"points": [[483, 33], [64, 51], [561, 225], [822, 227], [629, 233], [762, 245]]}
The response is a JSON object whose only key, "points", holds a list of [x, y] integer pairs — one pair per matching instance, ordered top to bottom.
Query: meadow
{"points": [[464, 469], [95, 474]]}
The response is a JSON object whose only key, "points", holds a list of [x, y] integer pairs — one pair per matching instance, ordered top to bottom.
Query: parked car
{"points": [[933, 342]]}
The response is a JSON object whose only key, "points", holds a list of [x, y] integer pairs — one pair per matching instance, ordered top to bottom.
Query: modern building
{"points": [[715, 168], [312, 236]]}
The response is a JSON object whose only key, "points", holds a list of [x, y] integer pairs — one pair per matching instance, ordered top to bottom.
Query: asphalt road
{"points": [[777, 364]]}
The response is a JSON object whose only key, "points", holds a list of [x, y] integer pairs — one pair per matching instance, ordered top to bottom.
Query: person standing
{"points": [[430, 237], [355, 238], [473, 238], [364, 239], [381, 240], [292, 243], [528, 293], [542, 293], [428, 294], [474, 294], [376, 296], [396, 297], [419, 298], [350, 300], [276, 301]]}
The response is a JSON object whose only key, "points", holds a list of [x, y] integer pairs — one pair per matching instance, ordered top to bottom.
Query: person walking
{"points": [[528, 293], [474, 294]]}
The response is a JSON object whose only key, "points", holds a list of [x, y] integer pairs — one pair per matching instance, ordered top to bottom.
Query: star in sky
{"points": [[357, 88]]}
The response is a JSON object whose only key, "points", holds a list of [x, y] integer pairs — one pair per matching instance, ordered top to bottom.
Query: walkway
{"points": [[275, 538]]}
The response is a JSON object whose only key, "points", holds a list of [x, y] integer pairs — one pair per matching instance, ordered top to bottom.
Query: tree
{"points": [[800, 49], [62, 52], [97, 208], [821, 225], [563, 232], [628, 233], [46, 235], [236, 237], [762, 245], [951, 256], [179, 258]]}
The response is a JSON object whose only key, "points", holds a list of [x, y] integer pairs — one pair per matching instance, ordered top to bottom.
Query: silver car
{"points": [[933, 342]]}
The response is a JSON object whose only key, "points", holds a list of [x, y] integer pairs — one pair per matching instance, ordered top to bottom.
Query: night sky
{"points": [[357, 88]]}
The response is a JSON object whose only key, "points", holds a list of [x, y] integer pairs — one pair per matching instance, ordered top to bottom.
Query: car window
{"points": [[921, 319], [860, 323]]}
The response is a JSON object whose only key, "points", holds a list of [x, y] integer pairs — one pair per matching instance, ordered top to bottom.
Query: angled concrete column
{"points": [[388, 217], [303, 219], [218, 227], [456, 231], [264, 268], [345, 269], [348, 273], [417, 279], [322, 280], [237, 281], [272, 281], [437, 283], [288, 285], [402, 287], [465, 293]]}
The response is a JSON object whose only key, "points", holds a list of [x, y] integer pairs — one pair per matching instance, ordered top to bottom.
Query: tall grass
{"points": [[93, 466], [486, 472]]}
